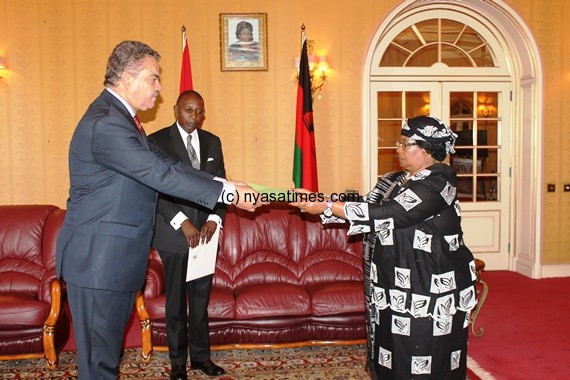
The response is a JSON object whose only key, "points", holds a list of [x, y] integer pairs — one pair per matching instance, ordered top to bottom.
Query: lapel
{"points": [[122, 110], [203, 148]]}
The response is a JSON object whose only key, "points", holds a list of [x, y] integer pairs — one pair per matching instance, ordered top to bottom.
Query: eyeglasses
{"points": [[195, 111], [403, 145]]}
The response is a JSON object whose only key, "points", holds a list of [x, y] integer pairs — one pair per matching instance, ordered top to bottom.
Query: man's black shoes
{"points": [[208, 367], [178, 372]]}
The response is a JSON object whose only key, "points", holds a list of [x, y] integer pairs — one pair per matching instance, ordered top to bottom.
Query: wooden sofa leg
{"points": [[478, 308], [144, 320], [48, 331]]}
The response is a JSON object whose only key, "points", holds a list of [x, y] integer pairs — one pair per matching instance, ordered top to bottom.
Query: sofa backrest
{"points": [[28, 235], [279, 244]]}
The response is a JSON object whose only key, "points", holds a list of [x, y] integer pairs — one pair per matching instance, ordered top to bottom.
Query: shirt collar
{"points": [[127, 105], [185, 134]]}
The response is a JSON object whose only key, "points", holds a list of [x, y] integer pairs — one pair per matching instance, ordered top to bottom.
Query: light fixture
{"points": [[318, 66], [2, 67], [486, 107]]}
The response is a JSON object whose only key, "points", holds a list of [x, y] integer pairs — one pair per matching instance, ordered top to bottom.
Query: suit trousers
{"points": [[186, 310], [99, 318]]}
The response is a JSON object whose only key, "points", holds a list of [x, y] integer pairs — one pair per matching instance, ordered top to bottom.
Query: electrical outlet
{"points": [[551, 188]]}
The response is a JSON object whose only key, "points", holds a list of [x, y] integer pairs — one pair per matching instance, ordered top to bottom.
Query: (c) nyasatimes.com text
{"points": [[291, 196]]}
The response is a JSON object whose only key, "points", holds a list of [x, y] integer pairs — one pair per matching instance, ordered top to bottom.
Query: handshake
{"points": [[244, 197]]}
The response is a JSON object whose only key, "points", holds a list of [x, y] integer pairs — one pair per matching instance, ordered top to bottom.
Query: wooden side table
{"points": [[479, 268]]}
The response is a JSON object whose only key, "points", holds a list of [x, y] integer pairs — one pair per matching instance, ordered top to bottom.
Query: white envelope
{"points": [[202, 259]]}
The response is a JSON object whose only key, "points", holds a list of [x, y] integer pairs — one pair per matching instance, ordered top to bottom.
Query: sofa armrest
{"points": [[154, 284], [45, 293]]}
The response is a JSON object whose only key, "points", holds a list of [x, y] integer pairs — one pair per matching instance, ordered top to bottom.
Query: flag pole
{"points": [[186, 69]]}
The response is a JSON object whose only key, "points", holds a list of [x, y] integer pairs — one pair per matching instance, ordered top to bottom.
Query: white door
{"points": [[479, 113]]}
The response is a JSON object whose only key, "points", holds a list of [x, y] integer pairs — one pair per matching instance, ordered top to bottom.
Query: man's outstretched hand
{"points": [[246, 197]]}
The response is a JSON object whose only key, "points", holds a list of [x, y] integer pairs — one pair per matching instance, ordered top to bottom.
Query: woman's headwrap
{"points": [[430, 129]]}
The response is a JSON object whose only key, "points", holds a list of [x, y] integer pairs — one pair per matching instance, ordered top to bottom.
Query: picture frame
{"points": [[243, 41]]}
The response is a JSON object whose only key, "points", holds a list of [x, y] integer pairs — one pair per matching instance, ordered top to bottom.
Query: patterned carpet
{"points": [[307, 363]]}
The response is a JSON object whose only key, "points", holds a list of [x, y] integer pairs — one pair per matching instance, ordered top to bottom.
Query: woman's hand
{"points": [[307, 201]]}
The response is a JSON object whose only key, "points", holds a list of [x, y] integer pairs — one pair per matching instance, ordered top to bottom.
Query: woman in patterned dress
{"points": [[419, 275]]}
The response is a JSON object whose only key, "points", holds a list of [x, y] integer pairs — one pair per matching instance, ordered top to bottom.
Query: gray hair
{"points": [[127, 56]]}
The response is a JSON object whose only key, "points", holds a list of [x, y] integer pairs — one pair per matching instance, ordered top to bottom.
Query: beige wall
{"points": [[56, 52]]}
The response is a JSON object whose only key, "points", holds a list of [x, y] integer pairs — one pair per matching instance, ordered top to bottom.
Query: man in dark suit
{"points": [[115, 173], [181, 224]]}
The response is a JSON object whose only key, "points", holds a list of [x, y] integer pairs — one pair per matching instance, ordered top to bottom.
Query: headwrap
{"points": [[430, 129]]}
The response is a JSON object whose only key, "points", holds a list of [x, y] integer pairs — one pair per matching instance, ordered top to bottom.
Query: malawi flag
{"points": [[186, 71], [305, 157]]}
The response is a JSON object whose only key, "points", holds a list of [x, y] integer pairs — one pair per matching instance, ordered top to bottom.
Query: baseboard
{"points": [[526, 267], [555, 270]]}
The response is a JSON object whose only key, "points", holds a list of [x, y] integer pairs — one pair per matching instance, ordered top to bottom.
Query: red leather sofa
{"points": [[281, 278], [32, 324]]}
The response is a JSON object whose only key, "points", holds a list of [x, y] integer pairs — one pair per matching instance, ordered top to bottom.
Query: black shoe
{"points": [[208, 367], [178, 372]]}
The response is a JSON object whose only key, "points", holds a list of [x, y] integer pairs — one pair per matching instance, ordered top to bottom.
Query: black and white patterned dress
{"points": [[421, 279]]}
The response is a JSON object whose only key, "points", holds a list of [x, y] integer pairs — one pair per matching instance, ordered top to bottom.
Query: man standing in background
{"points": [[181, 224], [103, 245]]}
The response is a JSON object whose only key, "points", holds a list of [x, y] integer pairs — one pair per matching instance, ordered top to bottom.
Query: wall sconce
{"points": [[318, 66], [2, 67]]}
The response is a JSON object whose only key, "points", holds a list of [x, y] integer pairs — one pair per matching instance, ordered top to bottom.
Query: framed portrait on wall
{"points": [[243, 41]]}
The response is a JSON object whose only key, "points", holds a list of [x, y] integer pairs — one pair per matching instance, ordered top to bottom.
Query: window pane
{"points": [[429, 30], [450, 30], [408, 39], [469, 40], [394, 56], [425, 57], [454, 57], [483, 57], [487, 103], [417, 104], [390, 105], [461, 114], [490, 127], [388, 133], [490, 158], [387, 161], [465, 189], [491, 189]]}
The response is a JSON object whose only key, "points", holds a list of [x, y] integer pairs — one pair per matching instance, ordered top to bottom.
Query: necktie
{"points": [[139, 125], [192, 153]]}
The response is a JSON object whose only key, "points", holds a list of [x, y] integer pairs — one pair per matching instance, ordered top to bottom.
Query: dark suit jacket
{"points": [[170, 143], [115, 174]]}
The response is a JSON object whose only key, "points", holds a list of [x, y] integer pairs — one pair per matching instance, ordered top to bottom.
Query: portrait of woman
{"points": [[243, 41], [245, 48]]}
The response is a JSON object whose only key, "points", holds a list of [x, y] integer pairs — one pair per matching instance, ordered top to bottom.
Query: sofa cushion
{"points": [[337, 298], [272, 300], [222, 304], [22, 309]]}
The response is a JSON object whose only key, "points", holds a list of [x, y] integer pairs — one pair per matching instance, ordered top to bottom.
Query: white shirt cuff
{"points": [[229, 188], [215, 218], [176, 222]]}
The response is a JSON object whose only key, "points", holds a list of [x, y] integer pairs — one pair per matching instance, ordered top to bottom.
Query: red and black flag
{"points": [[305, 156]]}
